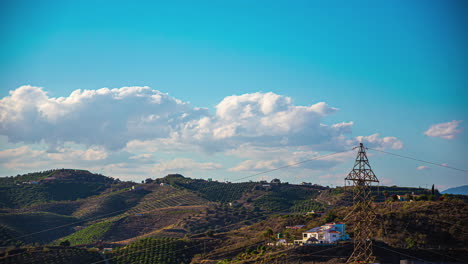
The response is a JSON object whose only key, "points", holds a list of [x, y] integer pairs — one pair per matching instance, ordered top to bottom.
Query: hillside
{"points": [[54, 185], [463, 190], [176, 219], [417, 229]]}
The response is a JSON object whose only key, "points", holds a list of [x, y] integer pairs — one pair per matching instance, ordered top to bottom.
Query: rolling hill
{"points": [[463, 190], [176, 219]]}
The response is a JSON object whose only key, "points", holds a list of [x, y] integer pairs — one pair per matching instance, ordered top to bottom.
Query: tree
{"points": [[148, 180], [433, 190], [385, 194], [409, 197], [422, 197], [330, 217], [209, 233], [268, 234], [410, 242], [65, 243]]}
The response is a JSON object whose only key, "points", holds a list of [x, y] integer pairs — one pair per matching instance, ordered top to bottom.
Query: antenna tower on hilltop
{"points": [[361, 178]]}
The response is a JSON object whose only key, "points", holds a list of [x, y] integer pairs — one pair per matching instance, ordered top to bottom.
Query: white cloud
{"points": [[135, 116], [107, 117], [263, 119], [119, 130], [444, 130], [374, 141], [17, 152], [93, 153], [145, 156], [25, 157], [260, 158], [181, 164], [250, 165], [423, 168]]}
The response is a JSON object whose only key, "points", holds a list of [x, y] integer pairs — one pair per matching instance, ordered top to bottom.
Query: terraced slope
{"points": [[20, 225], [50, 255]]}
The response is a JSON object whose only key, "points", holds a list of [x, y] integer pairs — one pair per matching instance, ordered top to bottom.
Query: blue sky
{"points": [[391, 67]]}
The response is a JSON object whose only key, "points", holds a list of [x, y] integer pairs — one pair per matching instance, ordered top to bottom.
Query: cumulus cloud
{"points": [[106, 117], [132, 117], [263, 119], [122, 127], [444, 130], [374, 141], [93, 153], [25, 157], [260, 158], [184, 164], [251, 165], [423, 168]]}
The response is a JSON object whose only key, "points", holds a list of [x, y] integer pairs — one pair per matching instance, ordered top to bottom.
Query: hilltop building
{"points": [[327, 234]]}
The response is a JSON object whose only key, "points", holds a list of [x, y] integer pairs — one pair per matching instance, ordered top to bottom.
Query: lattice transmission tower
{"points": [[362, 215]]}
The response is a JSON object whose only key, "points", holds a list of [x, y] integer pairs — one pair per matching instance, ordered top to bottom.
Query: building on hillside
{"points": [[164, 184], [136, 188], [401, 198], [234, 204], [313, 212], [329, 233]]}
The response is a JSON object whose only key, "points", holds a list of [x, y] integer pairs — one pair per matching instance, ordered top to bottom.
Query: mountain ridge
{"points": [[463, 190]]}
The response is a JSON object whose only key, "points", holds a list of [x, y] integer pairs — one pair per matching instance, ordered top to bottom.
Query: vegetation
{"points": [[54, 185], [219, 192], [287, 197], [154, 223], [26, 226], [91, 234], [154, 250], [49, 255]]}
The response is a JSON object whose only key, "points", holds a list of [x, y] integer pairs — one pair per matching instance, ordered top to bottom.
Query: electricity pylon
{"points": [[361, 178]]}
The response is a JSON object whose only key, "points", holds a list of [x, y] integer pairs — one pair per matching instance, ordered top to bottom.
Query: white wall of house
{"points": [[329, 233]]}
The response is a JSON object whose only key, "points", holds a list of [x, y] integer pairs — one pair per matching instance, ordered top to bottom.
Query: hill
{"points": [[54, 185], [463, 190], [175, 219]]}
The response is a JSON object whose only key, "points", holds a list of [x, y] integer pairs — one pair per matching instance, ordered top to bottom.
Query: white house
{"points": [[136, 188], [327, 234]]}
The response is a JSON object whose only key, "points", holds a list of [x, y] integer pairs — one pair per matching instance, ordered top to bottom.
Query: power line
{"points": [[420, 160], [293, 164], [253, 175], [125, 209], [86, 219], [261, 241], [147, 248], [394, 251]]}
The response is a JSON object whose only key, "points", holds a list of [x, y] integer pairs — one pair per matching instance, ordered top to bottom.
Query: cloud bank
{"points": [[124, 126]]}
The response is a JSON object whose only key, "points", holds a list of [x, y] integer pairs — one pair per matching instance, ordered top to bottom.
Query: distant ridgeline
{"points": [[53, 185]]}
